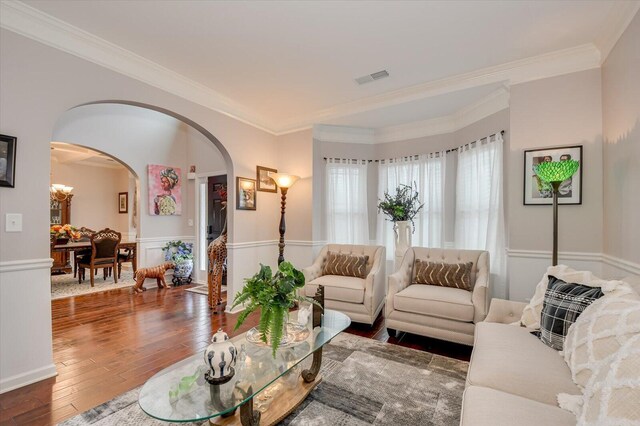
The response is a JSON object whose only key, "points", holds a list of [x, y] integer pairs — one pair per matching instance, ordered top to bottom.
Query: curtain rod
{"points": [[415, 156]]}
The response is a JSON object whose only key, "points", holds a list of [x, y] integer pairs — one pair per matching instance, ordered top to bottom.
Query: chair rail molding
{"points": [[25, 264]]}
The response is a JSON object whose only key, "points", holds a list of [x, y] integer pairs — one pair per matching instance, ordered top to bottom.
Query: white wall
{"points": [[39, 84], [557, 111], [621, 125], [95, 194]]}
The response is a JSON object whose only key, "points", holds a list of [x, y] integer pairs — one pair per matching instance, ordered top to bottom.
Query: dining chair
{"points": [[85, 235], [104, 254], [124, 255]]}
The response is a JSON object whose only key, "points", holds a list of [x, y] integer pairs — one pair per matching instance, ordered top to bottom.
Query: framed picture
{"points": [[7, 160], [265, 183], [165, 190], [538, 192], [245, 193], [123, 202]]}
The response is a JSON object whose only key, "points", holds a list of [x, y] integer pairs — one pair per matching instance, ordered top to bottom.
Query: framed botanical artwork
{"points": [[7, 160], [265, 183], [165, 190], [538, 192], [245, 193], [123, 202]]}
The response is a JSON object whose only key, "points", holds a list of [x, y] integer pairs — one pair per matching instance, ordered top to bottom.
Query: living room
{"points": [[271, 84]]}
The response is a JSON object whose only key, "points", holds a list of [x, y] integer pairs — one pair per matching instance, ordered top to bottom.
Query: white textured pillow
{"points": [[531, 313], [600, 331], [612, 395]]}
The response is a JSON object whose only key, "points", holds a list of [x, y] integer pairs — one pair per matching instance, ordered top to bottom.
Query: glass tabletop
{"points": [[179, 393]]}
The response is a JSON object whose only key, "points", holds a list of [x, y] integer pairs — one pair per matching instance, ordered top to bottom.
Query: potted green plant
{"points": [[401, 208], [274, 295]]}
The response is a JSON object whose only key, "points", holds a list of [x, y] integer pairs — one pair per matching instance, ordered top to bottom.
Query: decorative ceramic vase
{"points": [[403, 233], [183, 269], [220, 357]]}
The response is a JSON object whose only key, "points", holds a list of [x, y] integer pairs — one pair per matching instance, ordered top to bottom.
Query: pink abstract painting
{"points": [[165, 194]]}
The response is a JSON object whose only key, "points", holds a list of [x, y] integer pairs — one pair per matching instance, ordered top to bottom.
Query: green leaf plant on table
{"points": [[274, 295]]}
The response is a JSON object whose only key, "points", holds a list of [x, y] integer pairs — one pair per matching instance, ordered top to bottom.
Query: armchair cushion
{"points": [[345, 264], [456, 275], [337, 287], [436, 301]]}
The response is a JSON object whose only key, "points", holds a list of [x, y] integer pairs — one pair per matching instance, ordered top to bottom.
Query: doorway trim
{"points": [[200, 227]]}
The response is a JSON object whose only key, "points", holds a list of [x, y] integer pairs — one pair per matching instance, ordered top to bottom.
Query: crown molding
{"points": [[622, 13], [32, 23], [565, 61], [476, 111], [343, 134]]}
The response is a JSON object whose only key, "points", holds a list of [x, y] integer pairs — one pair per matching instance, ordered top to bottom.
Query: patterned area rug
{"points": [[66, 286], [203, 289], [365, 382]]}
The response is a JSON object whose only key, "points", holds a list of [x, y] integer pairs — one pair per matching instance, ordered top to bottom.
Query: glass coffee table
{"points": [[179, 393]]}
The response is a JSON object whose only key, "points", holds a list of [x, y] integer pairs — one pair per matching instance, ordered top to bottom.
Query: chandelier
{"points": [[60, 192]]}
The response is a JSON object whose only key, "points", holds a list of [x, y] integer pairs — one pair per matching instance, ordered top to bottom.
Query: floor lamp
{"points": [[554, 173], [284, 182]]}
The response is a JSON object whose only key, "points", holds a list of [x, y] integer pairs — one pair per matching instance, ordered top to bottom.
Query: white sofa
{"points": [[361, 299], [441, 312], [513, 377]]}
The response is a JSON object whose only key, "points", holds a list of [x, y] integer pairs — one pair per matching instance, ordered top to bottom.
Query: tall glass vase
{"points": [[403, 233]]}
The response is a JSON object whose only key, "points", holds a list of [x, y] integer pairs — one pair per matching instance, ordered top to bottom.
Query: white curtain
{"points": [[427, 172], [479, 204], [347, 217]]}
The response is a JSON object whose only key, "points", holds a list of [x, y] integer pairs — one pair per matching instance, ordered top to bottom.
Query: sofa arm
{"points": [[315, 270], [399, 280], [374, 281], [481, 293], [505, 311]]}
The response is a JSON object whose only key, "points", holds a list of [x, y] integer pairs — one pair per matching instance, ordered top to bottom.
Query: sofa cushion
{"points": [[345, 264], [456, 275], [337, 287], [436, 301], [563, 304], [512, 360], [488, 407]]}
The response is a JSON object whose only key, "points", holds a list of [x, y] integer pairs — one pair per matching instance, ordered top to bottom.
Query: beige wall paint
{"points": [[564, 110], [621, 129], [95, 194]]}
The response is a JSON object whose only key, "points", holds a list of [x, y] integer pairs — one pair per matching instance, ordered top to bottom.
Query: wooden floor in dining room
{"points": [[107, 343]]}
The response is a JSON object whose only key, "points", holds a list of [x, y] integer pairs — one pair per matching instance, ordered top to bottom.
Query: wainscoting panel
{"points": [[150, 250], [25, 323]]}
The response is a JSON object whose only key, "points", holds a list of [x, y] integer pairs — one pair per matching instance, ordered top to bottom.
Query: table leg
{"points": [[311, 374], [249, 416]]}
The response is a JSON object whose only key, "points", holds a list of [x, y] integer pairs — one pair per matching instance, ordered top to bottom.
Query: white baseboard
{"points": [[24, 379]]}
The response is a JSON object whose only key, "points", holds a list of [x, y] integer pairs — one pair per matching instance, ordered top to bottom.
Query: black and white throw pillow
{"points": [[563, 303]]}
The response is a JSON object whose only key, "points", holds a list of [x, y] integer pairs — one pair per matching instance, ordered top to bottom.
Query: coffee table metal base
{"points": [[282, 405]]}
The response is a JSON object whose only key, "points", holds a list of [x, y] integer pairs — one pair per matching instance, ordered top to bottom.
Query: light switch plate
{"points": [[13, 222]]}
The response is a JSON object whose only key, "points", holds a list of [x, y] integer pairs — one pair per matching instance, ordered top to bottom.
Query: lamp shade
{"points": [[557, 171], [284, 180]]}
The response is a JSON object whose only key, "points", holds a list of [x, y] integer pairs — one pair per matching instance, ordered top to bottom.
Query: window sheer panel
{"points": [[428, 174], [347, 218], [479, 219]]}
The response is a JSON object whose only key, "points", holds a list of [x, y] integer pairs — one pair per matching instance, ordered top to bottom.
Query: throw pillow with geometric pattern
{"points": [[345, 264], [456, 275], [563, 304]]}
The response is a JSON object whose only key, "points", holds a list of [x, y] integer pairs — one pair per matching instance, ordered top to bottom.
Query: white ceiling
{"points": [[291, 62], [64, 153]]}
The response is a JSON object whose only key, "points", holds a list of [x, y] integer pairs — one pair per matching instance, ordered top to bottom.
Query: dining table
{"points": [[84, 245]]}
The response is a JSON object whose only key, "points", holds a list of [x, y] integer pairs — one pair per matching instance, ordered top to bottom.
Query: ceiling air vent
{"points": [[372, 77]]}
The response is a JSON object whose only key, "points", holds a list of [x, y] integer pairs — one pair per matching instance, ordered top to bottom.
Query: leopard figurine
{"points": [[156, 272]]}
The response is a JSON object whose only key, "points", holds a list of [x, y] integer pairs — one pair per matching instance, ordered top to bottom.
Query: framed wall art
{"points": [[7, 160], [265, 183], [165, 190], [538, 192], [245, 193], [123, 202]]}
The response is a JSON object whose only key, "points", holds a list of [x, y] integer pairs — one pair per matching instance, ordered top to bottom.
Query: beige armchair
{"points": [[361, 299], [441, 312]]}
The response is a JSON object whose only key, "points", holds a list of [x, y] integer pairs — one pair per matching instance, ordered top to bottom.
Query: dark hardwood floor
{"points": [[107, 343]]}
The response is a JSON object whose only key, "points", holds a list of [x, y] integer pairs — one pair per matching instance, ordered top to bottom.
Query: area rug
{"points": [[66, 285], [203, 289], [365, 382]]}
